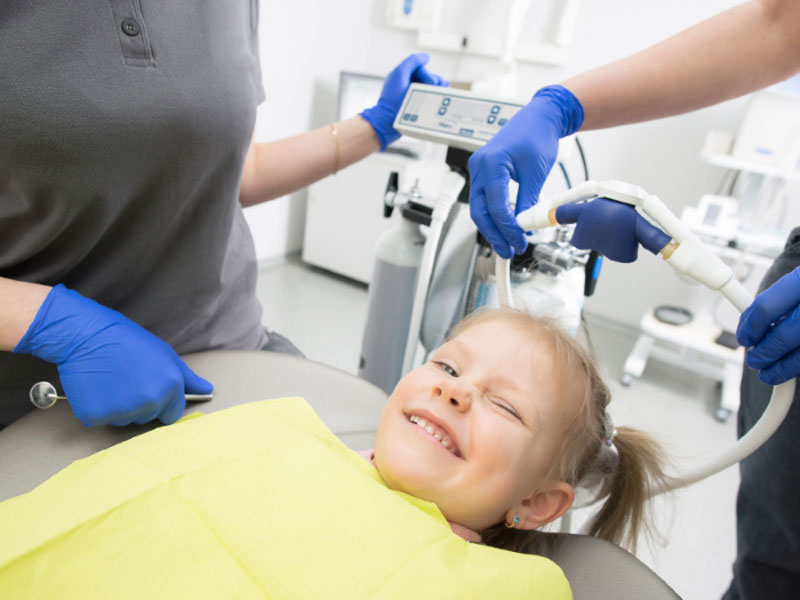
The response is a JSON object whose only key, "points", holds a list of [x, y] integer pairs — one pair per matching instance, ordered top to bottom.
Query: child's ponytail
{"points": [[626, 488]]}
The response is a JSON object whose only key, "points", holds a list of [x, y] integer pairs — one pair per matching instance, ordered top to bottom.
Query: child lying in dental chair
{"points": [[520, 406], [485, 443]]}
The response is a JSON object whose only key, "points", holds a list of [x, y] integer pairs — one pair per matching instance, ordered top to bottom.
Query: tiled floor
{"points": [[324, 316]]}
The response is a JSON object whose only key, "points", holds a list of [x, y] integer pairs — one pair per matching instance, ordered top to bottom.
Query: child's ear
{"points": [[547, 504]]}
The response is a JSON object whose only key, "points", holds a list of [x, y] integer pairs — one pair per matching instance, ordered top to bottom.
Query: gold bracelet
{"points": [[336, 149]]}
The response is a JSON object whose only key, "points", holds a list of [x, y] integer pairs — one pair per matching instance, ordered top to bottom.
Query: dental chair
{"points": [[45, 441]]}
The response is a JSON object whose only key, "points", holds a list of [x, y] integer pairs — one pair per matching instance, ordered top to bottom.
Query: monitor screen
{"points": [[357, 91]]}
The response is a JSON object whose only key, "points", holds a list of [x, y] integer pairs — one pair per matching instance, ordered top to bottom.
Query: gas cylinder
{"points": [[389, 303]]}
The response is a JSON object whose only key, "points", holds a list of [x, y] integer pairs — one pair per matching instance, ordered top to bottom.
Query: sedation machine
{"points": [[610, 218], [43, 442]]}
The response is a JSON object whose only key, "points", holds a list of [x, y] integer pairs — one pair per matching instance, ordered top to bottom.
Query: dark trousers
{"points": [[277, 343], [768, 504]]}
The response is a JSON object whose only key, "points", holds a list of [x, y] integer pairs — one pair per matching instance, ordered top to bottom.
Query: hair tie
{"points": [[609, 431], [610, 440], [603, 466]]}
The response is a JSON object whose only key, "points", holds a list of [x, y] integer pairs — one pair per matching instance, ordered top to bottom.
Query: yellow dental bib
{"points": [[256, 501]]}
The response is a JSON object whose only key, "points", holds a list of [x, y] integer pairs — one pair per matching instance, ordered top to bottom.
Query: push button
{"points": [[130, 27]]}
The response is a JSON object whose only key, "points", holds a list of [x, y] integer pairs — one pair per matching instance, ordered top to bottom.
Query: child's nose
{"points": [[455, 393]]}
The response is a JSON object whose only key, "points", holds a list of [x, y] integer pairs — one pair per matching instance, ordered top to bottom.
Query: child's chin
{"points": [[407, 476]]}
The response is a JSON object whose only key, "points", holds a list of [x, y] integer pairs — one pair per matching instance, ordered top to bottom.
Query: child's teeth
{"points": [[434, 432]]}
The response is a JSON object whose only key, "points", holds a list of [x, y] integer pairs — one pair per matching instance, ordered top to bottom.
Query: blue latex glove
{"points": [[382, 115], [524, 150], [612, 228], [770, 329], [113, 371]]}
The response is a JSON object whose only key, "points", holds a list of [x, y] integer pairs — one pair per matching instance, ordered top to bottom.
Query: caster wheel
{"points": [[627, 379], [722, 414]]}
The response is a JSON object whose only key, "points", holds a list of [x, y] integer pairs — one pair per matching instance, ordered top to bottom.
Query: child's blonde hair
{"points": [[626, 468]]}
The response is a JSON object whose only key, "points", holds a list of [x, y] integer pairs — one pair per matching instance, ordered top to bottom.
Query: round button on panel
{"points": [[130, 27]]}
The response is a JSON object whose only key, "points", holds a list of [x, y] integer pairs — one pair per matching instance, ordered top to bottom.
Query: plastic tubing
{"points": [[448, 195], [695, 259], [502, 266], [502, 275], [771, 419]]}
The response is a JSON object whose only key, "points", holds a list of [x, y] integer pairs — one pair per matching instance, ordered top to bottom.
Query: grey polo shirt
{"points": [[123, 129]]}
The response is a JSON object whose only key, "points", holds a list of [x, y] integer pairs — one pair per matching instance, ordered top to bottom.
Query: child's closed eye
{"points": [[506, 407]]}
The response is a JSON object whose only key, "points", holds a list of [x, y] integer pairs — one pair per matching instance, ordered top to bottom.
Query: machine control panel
{"points": [[459, 118]]}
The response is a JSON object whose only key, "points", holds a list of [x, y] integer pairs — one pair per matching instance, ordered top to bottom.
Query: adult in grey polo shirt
{"points": [[126, 156]]}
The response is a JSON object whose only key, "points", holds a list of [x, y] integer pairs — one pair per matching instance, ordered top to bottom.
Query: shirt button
{"points": [[130, 27]]}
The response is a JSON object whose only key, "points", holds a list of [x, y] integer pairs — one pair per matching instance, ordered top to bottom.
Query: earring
{"points": [[514, 523]]}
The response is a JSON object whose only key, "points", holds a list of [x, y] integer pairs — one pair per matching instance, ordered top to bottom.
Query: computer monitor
{"points": [[357, 91]]}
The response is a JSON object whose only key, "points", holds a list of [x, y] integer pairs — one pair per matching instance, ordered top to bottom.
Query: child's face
{"points": [[490, 397]]}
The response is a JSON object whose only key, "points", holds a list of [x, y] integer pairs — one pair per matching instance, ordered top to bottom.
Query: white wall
{"points": [[306, 42], [304, 45]]}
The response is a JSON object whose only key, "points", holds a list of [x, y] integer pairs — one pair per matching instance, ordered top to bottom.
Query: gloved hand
{"points": [[382, 115], [524, 150], [612, 228], [770, 329], [113, 371]]}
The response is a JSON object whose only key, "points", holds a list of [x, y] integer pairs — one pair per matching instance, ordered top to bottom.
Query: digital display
{"points": [[473, 118]]}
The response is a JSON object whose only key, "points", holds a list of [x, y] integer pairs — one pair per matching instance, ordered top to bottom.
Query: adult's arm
{"points": [[741, 50], [733, 53], [277, 168], [274, 169], [19, 303]]}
